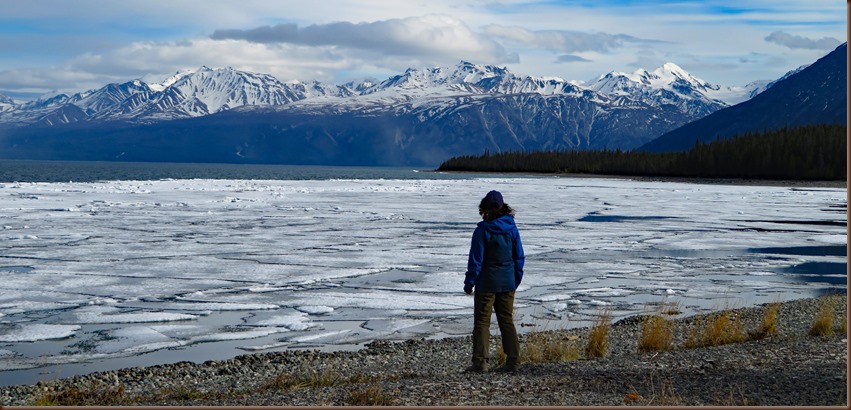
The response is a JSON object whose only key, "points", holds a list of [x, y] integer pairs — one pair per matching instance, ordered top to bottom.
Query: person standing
{"points": [[494, 270]]}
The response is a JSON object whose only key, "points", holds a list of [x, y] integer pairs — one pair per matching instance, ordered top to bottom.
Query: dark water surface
{"points": [[78, 171]]}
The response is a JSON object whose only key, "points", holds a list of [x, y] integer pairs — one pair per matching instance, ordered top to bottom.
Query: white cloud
{"points": [[437, 36], [562, 40], [792, 41], [84, 44], [317, 52], [570, 58], [285, 61]]}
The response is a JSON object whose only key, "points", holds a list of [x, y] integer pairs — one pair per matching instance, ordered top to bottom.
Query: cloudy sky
{"points": [[75, 45]]}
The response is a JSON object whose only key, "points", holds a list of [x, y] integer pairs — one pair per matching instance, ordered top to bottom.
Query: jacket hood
{"points": [[502, 225]]}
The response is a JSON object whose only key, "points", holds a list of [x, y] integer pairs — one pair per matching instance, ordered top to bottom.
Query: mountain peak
{"points": [[671, 68], [171, 80], [206, 90], [816, 94], [5, 100]]}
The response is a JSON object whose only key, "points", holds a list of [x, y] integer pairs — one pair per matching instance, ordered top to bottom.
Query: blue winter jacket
{"points": [[496, 257]]}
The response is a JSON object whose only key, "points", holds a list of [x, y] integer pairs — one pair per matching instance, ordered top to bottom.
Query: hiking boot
{"points": [[509, 368], [475, 369]]}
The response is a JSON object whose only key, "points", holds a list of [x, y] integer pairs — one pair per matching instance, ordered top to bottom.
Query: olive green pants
{"points": [[503, 304]]}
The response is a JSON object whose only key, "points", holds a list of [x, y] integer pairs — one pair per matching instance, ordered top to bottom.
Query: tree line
{"points": [[813, 152]]}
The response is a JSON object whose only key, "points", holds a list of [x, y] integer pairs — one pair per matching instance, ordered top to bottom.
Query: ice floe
{"points": [[33, 332]]}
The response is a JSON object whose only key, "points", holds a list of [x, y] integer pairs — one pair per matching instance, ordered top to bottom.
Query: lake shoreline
{"points": [[692, 180], [790, 368]]}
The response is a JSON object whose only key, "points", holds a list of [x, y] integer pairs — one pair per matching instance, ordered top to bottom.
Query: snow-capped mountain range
{"points": [[205, 91], [418, 118]]}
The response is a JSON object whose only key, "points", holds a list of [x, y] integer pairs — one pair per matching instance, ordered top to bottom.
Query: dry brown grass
{"points": [[670, 308], [823, 322], [768, 326], [716, 329], [657, 333], [598, 337], [543, 347], [548, 347], [661, 393], [96, 395], [373, 395], [734, 397]]}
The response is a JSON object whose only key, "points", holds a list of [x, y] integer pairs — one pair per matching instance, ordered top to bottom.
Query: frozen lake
{"points": [[105, 275]]}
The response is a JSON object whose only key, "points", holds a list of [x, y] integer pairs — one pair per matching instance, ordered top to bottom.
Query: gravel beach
{"points": [[790, 368]]}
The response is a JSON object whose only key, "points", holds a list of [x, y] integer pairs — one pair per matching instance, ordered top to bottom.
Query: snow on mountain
{"points": [[468, 78], [670, 78], [171, 80], [668, 84], [761, 86], [358, 87], [205, 91], [432, 91], [188, 93], [733, 95], [814, 95], [105, 98], [5, 99], [46, 101], [6, 103], [32, 111], [421, 116]]}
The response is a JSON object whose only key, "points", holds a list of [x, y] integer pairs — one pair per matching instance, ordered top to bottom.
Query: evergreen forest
{"points": [[813, 152]]}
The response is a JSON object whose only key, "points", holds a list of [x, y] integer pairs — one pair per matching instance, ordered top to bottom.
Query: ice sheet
{"points": [[118, 268], [110, 314], [35, 332]]}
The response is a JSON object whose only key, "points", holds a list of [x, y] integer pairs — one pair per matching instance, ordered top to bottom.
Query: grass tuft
{"points": [[670, 308], [823, 322], [768, 327], [716, 329], [657, 333], [598, 337], [541, 347], [329, 377], [288, 382], [662, 393], [96, 395], [373, 395], [736, 396]]}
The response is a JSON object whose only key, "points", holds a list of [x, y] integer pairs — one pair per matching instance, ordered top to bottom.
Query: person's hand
{"points": [[468, 291]]}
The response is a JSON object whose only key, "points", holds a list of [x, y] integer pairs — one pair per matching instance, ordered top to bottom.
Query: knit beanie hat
{"points": [[493, 200]]}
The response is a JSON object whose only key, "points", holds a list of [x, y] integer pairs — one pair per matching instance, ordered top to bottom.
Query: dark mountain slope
{"points": [[817, 94]]}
